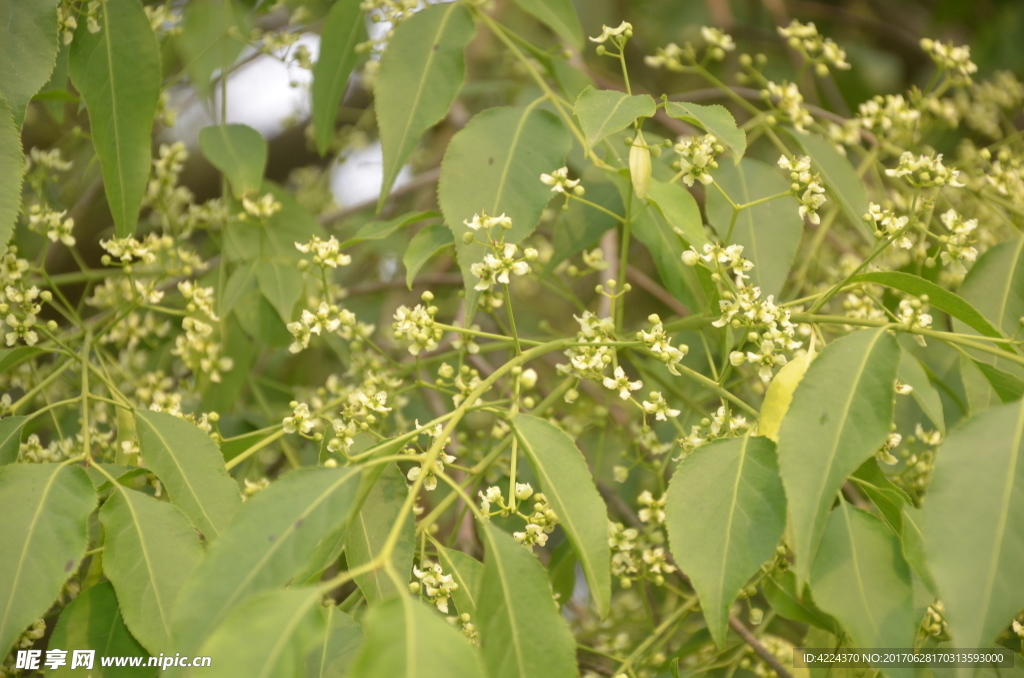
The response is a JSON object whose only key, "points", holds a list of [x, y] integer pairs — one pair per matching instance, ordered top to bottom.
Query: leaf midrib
{"points": [[115, 121], [512, 153], [392, 172], [834, 447], [181, 471], [550, 488], [728, 523], [28, 539], [997, 545], [145, 555], [855, 562], [258, 566], [507, 593]]}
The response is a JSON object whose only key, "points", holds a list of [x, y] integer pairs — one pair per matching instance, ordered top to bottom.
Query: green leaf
{"points": [[558, 15], [343, 29], [213, 34], [28, 51], [117, 71], [421, 72], [603, 112], [713, 119], [239, 152], [494, 164], [12, 167], [840, 179], [679, 209], [293, 223], [581, 226], [378, 230], [770, 232], [423, 247], [666, 249], [241, 282], [281, 283], [995, 287], [938, 297], [261, 321], [12, 357], [1005, 385], [981, 395], [927, 397], [839, 417], [10, 438], [191, 467], [565, 480], [889, 498], [45, 508], [726, 512], [973, 524], [370, 529], [270, 540], [914, 548], [149, 551], [467, 572], [562, 572], [861, 579], [781, 593], [93, 621], [521, 632], [267, 636], [406, 639], [332, 657]]}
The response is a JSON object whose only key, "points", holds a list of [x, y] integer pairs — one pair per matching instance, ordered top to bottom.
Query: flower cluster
{"points": [[617, 35], [718, 42], [822, 52], [954, 59], [788, 100], [697, 158], [924, 171], [560, 182], [806, 186], [259, 209], [52, 224], [887, 225], [958, 245], [126, 250], [326, 253], [724, 259], [498, 265], [914, 313], [326, 317], [417, 326], [658, 343], [197, 347], [590, 359], [620, 382], [721, 424], [540, 522], [640, 555], [433, 584]]}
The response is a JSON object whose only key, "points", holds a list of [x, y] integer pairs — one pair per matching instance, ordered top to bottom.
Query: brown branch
{"points": [[419, 181], [644, 282], [762, 652]]}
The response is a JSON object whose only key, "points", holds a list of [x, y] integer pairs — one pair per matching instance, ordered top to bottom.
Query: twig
{"points": [[416, 183], [644, 282], [762, 652]]}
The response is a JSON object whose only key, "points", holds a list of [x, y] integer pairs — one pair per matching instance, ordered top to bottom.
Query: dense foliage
{"points": [[671, 383]]}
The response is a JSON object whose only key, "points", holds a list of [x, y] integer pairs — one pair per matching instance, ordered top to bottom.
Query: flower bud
{"points": [[640, 168]]}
